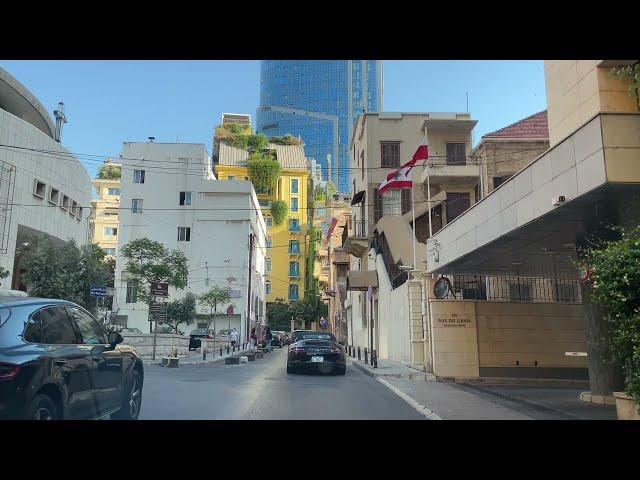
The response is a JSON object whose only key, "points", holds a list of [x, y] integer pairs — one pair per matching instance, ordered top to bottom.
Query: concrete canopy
{"points": [[361, 279]]}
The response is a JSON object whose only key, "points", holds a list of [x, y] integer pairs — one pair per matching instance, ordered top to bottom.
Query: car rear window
{"points": [[316, 336]]}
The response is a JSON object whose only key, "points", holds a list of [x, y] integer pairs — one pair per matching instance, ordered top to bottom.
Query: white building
{"points": [[43, 187], [169, 194]]}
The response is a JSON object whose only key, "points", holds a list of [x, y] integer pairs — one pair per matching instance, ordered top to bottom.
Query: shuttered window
{"points": [[390, 154], [456, 154], [406, 200], [377, 205]]}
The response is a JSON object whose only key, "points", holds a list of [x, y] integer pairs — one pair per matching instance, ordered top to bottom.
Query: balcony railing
{"points": [[294, 228], [294, 248], [294, 273], [293, 296]]}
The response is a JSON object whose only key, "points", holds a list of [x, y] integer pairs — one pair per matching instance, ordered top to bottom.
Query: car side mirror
{"points": [[115, 338]]}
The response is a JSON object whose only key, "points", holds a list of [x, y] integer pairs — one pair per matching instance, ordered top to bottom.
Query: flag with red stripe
{"points": [[402, 177]]}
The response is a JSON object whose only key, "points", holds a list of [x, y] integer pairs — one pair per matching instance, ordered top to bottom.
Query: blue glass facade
{"points": [[319, 100]]}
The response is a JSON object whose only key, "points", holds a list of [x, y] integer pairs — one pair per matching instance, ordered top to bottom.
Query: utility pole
{"points": [[251, 240], [206, 266]]}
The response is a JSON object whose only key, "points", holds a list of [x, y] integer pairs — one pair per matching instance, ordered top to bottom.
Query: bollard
{"points": [[349, 348], [227, 349], [234, 349], [220, 351], [358, 352], [204, 354], [365, 355], [375, 359]]}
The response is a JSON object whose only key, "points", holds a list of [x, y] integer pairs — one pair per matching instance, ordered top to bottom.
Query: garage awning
{"points": [[358, 197], [361, 279]]}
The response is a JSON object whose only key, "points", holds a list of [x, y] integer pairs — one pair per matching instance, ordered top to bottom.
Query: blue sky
{"points": [[110, 102]]}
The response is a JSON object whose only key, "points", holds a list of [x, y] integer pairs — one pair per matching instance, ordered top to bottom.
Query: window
{"points": [[390, 154], [456, 154], [362, 162], [138, 176], [231, 177], [497, 181], [294, 185], [39, 189], [113, 191], [54, 196], [185, 198], [406, 200], [65, 202], [391, 202], [456, 203], [294, 204], [136, 205], [74, 208], [79, 213], [269, 221], [294, 225], [110, 231], [184, 234], [269, 242], [294, 246], [109, 251], [268, 264], [294, 269], [268, 288], [293, 291], [132, 293], [56, 326], [89, 329], [33, 332]]}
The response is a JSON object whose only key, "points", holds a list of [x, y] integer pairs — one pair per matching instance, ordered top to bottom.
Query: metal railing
{"points": [[515, 288]]}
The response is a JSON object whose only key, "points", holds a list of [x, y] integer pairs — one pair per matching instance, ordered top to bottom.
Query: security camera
{"points": [[558, 200]]}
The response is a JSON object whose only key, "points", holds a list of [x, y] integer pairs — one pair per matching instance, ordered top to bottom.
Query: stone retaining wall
{"points": [[143, 343]]}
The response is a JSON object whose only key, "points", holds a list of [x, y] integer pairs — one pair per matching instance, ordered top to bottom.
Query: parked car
{"points": [[196, 335], [278, 338], [317, 351], [57, 362]]}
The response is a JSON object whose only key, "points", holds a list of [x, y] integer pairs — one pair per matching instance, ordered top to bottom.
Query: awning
{"points": [[358, 197], [361, 279]]}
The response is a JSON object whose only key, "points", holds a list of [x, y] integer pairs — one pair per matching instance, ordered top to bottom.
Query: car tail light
{"points": [[297, 350], [336, 350], [9, 371]]}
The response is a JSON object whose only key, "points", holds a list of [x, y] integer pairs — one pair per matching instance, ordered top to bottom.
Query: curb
{"points": [[210, 360], [367, 371], [422, 409]]}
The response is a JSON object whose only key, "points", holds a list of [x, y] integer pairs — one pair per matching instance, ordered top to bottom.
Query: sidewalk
{"points": [[467, 401]]}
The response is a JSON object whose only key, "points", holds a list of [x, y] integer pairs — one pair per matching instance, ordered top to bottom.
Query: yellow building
{"points": [[104, 212], [287, 242]]}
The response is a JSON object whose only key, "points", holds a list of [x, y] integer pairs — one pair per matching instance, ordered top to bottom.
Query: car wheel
{"points": [[289, 369], [341, 370], [43, 408], [130, 409]]}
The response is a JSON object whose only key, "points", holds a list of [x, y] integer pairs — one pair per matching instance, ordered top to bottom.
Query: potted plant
{"points": [[614, 267]]}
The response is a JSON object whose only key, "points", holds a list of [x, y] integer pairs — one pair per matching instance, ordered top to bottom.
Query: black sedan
{"points": [[196, 335], [317, 351], [58, 362]]}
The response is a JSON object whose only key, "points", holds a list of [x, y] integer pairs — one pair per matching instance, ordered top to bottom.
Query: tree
{"points": [[631, 74], [264, 170], [110, 171], [279, 211], [149, 261], [55, 269], [4, 273], [615, 280], [214, 297], [305, 309], [181, 311], [279, 314]]}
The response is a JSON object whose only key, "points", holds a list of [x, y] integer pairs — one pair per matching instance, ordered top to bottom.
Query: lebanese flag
{"points": [[402, 178]]}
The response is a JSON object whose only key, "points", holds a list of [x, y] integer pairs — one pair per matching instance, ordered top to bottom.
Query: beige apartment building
{"points": [[105, 211], [534, 224]]}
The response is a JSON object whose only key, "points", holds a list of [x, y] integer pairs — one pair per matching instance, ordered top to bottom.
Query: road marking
{"points": [[422, 409]]}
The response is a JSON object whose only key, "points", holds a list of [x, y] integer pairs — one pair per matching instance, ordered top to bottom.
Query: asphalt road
{"points": [[263, 390]]}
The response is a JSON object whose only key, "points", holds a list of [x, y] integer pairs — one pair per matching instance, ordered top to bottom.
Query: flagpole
{"points": [[413, 214]]}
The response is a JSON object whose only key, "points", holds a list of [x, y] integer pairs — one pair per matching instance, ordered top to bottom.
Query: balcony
{"points": [[451, 171], [294, 228], [355, 238], [294, 249], [339, 256], [294, 274], [294, 296]]}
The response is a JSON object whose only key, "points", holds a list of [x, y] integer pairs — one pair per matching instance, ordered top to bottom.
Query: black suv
{"points": [[58, 362]]}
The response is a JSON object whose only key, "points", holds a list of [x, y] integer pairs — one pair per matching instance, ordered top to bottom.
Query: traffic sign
{"points": [[160, 289], [98, 291], [157, 312], [323, 322]]}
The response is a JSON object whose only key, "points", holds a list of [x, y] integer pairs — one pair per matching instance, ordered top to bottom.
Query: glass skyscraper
{"points": [[319, 100]]}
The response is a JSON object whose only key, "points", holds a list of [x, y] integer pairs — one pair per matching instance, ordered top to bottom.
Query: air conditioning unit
{"points": [[555, 201]]}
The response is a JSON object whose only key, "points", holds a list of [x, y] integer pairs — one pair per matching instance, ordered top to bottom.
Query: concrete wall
{"points": [[579, 89], [19, 207], [496, 339], [143, 343]]}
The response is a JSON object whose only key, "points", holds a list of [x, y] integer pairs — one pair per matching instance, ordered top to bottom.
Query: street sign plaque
{"points": [[160, 289], [98, 291], [157, 312], [323, 322]]}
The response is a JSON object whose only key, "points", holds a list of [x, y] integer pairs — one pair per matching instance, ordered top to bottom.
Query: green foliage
{"points": [[632, 73], [234, 128], [287, 139], [239, 141], [258, 142], [264, 170], [110, 172], [331, 188], [319, 193], [279, 211], [150, 261], [54, 269], [4, 273], [616, 285], [213, 298], [305, 309], [181, 311], [279, 315]]}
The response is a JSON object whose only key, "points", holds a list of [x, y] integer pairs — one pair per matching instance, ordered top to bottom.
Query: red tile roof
{"points": [[535, 126]]}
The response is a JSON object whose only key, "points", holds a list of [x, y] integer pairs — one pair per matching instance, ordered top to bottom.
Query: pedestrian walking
{"points": [[234, 337], [268, 337], [254, 338]]}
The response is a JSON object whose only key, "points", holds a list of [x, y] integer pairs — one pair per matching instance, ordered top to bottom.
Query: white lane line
{"points": [[422, 409]]}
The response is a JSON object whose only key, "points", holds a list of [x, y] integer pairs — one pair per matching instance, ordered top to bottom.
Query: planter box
{"points": [[232, 361], [627, 409]]}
